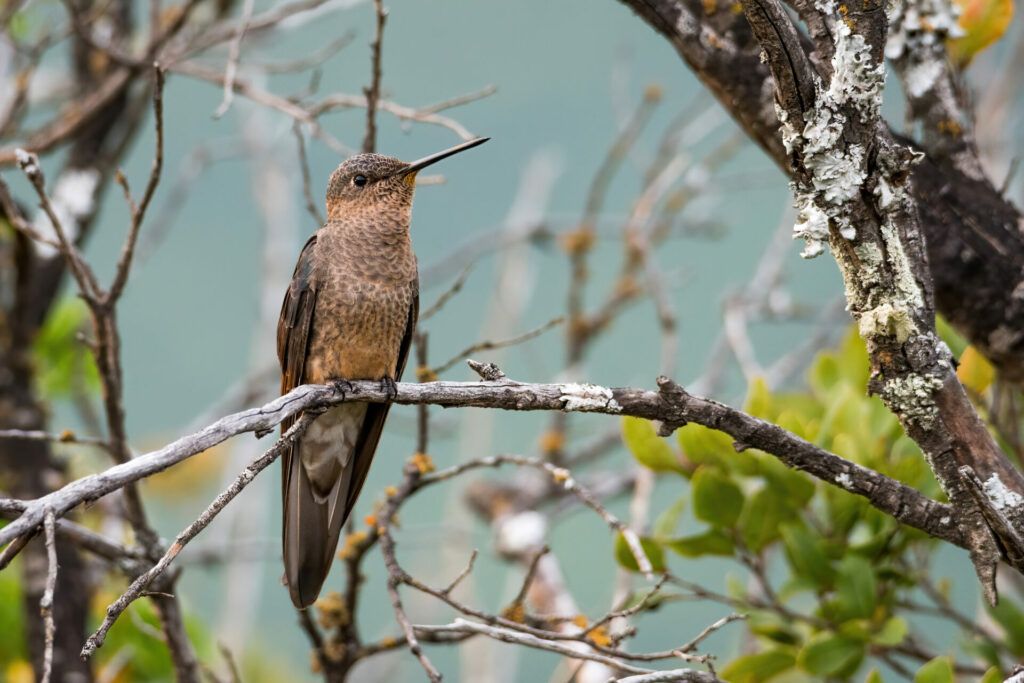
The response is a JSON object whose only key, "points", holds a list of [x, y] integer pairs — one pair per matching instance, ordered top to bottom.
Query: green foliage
{"points": [[64, 363], [649, 449], [716, 500], [624, 554], [840, 571], [12, 645], [938, 670]]}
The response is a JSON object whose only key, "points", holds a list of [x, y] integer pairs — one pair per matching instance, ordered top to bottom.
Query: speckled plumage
{"points": [[349, 314]]}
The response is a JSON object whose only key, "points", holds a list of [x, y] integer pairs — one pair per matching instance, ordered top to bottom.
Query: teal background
{"points": [[567, 71]]}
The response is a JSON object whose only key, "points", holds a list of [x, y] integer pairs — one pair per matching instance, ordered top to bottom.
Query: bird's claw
{"points": [[388, 386], [343, 387]]}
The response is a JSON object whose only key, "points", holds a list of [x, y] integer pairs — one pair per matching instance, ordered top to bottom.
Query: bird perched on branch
{"points": [[349, 314]]}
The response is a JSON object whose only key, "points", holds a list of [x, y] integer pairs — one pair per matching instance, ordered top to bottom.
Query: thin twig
{"points": [[373, 92], [490, 345], [140, 584], [46, 602]]}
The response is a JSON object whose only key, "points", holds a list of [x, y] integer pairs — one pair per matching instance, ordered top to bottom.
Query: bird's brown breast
{"points": [[366, 283]]}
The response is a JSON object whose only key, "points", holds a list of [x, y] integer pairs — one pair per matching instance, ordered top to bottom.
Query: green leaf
{"points": [[64, 363], [759, 401], [702, 445], [649, 449], [796, 487], [716, 499], [761, 517], [665, 524], [711, 542], [805, 553], [624, 554], [855, 586], [1009, 616], [774, 627], [892, 633], [829, 655], [758, 667], [939, 670], [993, 675], [874, 677]]}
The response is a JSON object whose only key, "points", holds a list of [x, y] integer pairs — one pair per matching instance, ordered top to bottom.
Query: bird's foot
{"points": [[388, 386], [343, 387]]}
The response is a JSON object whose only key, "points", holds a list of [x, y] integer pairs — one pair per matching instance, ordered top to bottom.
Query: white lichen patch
{"points": [[922, 23], [856, 81], [885, 194], [73, 199], [811, 225], [903, 276], [887, 320], [912, 397], [588, 398], [843, 479], [1002, 497], [521, 533]]}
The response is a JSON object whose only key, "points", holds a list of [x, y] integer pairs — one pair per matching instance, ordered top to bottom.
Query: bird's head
{"points": [[374, 182]]}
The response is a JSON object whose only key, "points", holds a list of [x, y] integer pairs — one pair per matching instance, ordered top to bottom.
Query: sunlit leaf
{"points": [[983, 23], [975, 372], [649, 449], [665, 525], [711, 542], [624, 554], [892, 633], [759, 667], [938, 670]]}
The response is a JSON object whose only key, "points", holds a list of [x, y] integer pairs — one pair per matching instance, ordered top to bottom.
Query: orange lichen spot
{"points": [[710, 6], [736, 8], [844, 10], [849, 22], [927, 25], [713, 40], [653, 92], [950, 127], [579, 241], [626, 287], [425, 373], [67, 435], [552, 441], [422, 462], [561, 475], [391, 491], [370, 520], [352, 541], [332, 612], [514, 612], [579, 621], [600, 636], [388, 642], [334, 650]]}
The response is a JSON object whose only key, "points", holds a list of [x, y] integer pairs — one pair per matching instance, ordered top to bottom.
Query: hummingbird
{"points": [[349, 314]]}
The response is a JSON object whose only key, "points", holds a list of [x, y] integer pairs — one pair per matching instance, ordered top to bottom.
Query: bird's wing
{"points": [[293, 327], [376, 413]]}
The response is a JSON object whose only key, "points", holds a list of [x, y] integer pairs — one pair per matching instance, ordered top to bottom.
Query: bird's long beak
{"points": [[420, 164]]}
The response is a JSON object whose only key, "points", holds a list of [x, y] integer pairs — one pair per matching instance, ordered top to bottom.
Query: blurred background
{"points": [[565, 80]]}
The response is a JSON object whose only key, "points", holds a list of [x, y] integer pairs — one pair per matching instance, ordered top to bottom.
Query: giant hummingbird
{"points": [[349, 314]]}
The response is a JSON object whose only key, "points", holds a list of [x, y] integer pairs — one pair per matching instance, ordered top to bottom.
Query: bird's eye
{"points": [[359, 180]]}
